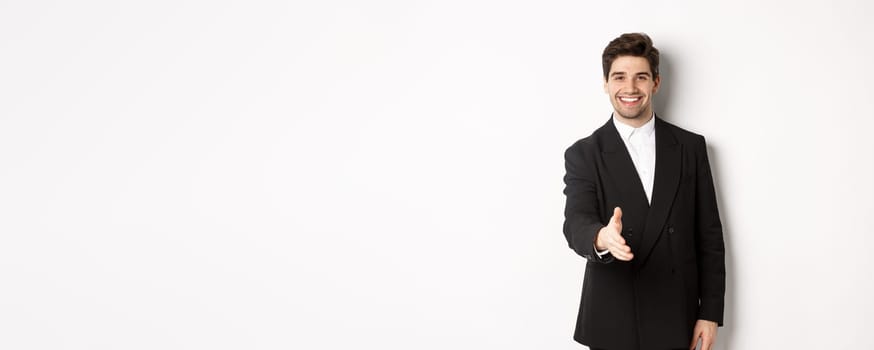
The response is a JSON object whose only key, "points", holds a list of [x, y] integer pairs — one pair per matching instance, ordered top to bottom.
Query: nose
{"points": [[633, 85], [630, 86]]}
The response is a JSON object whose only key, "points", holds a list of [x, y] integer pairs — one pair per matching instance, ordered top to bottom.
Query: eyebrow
{"points": [[623, 73]]}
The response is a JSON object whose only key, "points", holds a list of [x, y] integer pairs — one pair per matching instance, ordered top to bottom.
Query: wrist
{"points": [[597, 242]]}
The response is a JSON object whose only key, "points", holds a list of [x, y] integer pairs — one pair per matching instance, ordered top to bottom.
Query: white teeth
{"points": [[629, 99]]}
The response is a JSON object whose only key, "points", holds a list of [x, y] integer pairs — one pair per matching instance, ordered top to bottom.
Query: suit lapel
{"points": [[621, 168], [667, 179]]}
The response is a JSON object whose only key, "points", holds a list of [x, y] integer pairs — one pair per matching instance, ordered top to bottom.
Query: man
{"points": [[641, 208]]}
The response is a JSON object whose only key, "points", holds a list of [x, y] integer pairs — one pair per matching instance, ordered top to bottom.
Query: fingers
{"points": [[617, 217], [617, 244], [619, 249], [622, 254], [706, 331], [696, 334], [708, 336], [694, 341], [707, 341]]}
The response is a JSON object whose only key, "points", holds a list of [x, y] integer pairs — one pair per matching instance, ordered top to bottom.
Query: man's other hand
{"points": [[610, 238], [706, 331]]}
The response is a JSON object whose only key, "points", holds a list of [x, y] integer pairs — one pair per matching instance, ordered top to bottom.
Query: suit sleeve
{"points": [[582, 222], [709, 243]]}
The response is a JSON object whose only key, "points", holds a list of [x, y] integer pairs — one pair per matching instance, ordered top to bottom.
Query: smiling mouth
{"points": [[629, 99]]}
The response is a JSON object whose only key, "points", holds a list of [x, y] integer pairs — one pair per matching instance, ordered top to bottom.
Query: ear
{"points": [[656, 83], [606, 91]]}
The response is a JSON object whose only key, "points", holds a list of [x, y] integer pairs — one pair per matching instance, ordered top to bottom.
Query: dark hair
{"points": [[631, 44]]}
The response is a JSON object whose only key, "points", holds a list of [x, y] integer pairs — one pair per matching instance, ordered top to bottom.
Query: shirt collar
{"points": [[625, 130]]}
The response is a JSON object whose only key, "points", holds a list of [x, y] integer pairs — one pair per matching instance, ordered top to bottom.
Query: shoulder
{"points": [[684, 136], [591, 143], [585, 144]]}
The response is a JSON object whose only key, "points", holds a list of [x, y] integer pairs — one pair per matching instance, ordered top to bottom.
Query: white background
{"points": [[388, 174]]}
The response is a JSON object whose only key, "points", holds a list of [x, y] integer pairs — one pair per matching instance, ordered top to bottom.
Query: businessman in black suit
{"points": [[641, 208]]}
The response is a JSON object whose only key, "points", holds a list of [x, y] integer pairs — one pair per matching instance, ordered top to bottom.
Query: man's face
{"points": [[631, 86]]}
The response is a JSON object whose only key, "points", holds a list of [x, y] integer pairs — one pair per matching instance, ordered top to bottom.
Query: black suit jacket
{"points": [[677, 274]]}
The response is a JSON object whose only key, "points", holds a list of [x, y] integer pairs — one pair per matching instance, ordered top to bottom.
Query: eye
{"points": [[618, 77], [642, 77]]}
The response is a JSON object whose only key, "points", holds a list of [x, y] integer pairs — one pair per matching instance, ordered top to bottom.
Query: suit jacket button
{"points": [[670, 230]]}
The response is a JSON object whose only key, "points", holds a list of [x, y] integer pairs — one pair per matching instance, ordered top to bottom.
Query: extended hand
{"points": [[610, 238], [706, 331]]}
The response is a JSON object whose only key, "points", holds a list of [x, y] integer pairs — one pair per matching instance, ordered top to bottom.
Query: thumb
{"points": [[617, 216]]}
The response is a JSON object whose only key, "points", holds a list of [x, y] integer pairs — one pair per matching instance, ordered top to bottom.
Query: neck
{"points": [[634, 122]]}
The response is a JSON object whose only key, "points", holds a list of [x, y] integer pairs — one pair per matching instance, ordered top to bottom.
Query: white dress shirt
{"points": [[640, 143]]}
